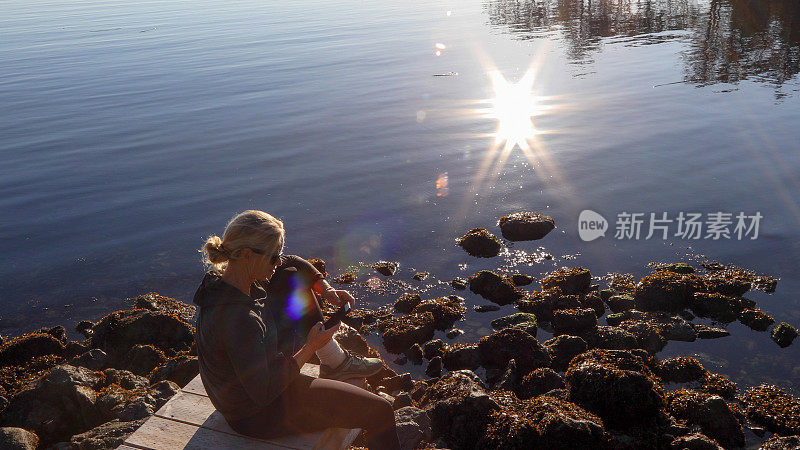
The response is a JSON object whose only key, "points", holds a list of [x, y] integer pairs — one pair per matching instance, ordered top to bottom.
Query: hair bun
{"points": [[215, 251]]}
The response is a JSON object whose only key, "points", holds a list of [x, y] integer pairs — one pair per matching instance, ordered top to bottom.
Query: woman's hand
{"points": [[339, 297], [318, 337]]}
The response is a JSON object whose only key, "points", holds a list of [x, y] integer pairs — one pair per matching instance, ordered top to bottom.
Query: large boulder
{"points": [[525, 226], [480, 243], [569, 280], [494, 287], [120, 331], [400, 333], [29, 346], [497, 349], [681, 369], [617, 385], [771, 407], [459, 408], [710, 412], [543, 422], [106, 436], [13, 438]]}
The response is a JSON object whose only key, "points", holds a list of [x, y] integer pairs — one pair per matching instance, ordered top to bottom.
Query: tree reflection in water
{"points": [[728, 40]]}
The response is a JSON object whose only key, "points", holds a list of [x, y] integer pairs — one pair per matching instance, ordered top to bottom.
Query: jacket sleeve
{"points": [[310, 273], [264, 376]]}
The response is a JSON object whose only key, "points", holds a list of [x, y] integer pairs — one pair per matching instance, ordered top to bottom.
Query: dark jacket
{"points": [[237, 345]]}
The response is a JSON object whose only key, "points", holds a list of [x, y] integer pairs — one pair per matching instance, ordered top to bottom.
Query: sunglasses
{"points": [[272, 259]]}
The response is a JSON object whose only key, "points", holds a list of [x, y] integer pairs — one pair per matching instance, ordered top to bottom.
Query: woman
{"points": [[259, 322]]}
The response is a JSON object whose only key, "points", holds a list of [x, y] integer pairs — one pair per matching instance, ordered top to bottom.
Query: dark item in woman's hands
{"points": [[337, 317]]}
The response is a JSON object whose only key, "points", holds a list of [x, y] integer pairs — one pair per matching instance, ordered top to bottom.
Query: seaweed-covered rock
{"points": [[526, 226], [480, 243], [320, 265], [387, 268], [681, 268], [345, 278], [521, 280], [569, 280], [730, 282], [494, 287], [666, 291], [407, 302], [593, 302], [619, 303], [166, 305], [716, 306], [486, 308], [445, 310], [513, 319], [756, 319], [574, 321], [670, 327], [119, 331], [401, 333], [783, 334], [647, 336], [29, 346], [433, 348], [563, 348], [497, 349], [414, 354], [461, 356], [141, 359], [180, 369], [680, 369], [125, 379], [539, 382], [717, 384], [617, 385], [459, 408], [773, 408], [710, 412], [542, 422], [108, 435], [13, 438], [694, 441], [781, 443]]}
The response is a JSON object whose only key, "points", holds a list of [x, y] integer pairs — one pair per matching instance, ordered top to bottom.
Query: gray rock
{"points": [[125, 379], [163, 391], [413, 427], [106, 436], [12, 438]]}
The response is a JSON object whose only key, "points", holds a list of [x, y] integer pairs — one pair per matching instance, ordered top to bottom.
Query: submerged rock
{"points": [[526, 226], [480, 243], [387, 268], [421, 276], [570, 281], [494, 287], [513, 319], [400, 333], [784, 334], [497, 349], [617, 385], [771, 407], [710, 412]]}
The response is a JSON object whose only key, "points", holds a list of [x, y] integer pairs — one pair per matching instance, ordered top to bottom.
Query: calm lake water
{"points": [[132, 130]]}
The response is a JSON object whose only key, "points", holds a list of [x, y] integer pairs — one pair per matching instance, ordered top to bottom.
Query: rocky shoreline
{"points": [[590, 386]]}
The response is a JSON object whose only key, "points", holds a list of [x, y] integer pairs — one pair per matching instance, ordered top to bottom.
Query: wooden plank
{"points": [[195, 386], [197, 410], [159, 433], [125, 447]]}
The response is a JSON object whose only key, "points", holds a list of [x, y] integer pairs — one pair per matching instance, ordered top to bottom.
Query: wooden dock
{"points": [[189, 421]]}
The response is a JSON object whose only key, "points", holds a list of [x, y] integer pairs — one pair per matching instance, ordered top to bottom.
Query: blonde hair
{"points": [[250, 229]]}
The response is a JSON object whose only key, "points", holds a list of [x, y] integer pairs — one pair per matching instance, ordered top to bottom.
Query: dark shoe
{"points": [[352, 367]]}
